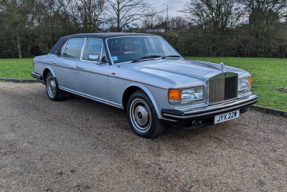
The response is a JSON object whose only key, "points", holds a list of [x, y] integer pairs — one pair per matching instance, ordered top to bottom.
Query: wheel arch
{"points": [[46, 71], [130, 89]]}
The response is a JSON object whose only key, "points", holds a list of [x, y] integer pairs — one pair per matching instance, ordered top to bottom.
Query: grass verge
{"points": [[16, 68]]}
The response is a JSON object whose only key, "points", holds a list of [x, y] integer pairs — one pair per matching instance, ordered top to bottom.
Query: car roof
{"points": [[97, 35], [108, 35]]}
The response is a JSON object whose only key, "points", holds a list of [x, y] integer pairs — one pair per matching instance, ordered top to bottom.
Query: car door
{"points": [[65, 63], [92, 76]]}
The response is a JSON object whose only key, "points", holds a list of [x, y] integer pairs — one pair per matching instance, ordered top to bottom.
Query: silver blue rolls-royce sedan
{"points": [[146, 77]]}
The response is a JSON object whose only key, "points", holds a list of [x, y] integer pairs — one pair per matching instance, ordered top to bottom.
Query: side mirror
{"points": [[94, 57]]}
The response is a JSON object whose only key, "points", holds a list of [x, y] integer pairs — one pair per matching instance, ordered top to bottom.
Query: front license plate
{"points": [[226, 116]]}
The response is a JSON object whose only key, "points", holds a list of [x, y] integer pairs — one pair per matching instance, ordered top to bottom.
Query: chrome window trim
{"points": [[82, 50], [109, 53]]}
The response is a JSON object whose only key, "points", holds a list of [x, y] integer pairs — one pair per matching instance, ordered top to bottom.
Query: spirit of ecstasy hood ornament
{"points": [[222, 66]]}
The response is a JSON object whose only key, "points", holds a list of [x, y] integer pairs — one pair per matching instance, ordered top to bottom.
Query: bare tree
{"points": [[127, 11], [265, 11], [88, 13], [218, 14], [150, 18], [159, 20], [214, 21], [178, 23], [264, 29]]}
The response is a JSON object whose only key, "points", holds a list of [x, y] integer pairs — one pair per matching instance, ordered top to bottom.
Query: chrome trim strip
{"points": [[72, 68], [38, 77], [91, 97], [232, 100], [208, 108], [223, 108], [172, 120]]}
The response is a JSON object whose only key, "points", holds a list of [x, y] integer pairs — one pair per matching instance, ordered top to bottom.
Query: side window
{"points": [[93, 47], [73, 48]]}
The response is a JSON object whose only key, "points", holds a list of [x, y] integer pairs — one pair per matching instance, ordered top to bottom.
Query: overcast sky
{"points": [[174, 6]]}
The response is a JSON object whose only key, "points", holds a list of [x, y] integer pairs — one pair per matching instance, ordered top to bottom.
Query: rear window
{"points": [[73, 48]]}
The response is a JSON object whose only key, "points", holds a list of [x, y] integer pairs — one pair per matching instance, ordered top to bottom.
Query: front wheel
{"points": [[52, 89], [142, 116]]}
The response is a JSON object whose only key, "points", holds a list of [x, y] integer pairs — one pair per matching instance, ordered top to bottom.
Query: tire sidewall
{"points": [[57, 89], [154, 120]]}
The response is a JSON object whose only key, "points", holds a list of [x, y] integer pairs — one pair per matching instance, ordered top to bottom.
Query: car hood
{"points": [[189, 68]]}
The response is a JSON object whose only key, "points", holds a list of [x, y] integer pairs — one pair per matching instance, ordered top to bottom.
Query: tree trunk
{"points": [[118, 17], [19, 46]]}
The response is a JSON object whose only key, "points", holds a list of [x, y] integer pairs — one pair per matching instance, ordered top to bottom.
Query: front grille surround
{"points": [[223, 87]]}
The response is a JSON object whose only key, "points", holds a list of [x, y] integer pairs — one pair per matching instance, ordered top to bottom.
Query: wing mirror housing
{"points": [[94, 57]]}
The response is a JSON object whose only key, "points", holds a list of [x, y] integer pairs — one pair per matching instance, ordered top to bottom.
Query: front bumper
{"points": [[38, 77], [205, 115]]}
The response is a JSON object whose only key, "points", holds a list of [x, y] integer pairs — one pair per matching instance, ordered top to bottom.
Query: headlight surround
{"points": [[244, 85], [186, 96]]}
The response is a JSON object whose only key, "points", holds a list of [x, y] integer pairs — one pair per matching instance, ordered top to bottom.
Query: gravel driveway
{"points": [[81, 145]]}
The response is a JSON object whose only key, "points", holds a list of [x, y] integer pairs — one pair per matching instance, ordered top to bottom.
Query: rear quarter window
{"points": [[73, 48]]}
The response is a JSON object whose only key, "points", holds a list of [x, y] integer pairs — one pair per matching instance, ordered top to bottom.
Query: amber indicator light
{"points": [[174, 94]]}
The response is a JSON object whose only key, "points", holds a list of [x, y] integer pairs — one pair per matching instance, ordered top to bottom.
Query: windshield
{"points": [[131, 48]]}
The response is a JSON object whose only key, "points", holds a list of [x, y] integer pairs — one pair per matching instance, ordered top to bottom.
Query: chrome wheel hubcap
{"points": [[51, 86], [140, 115]]}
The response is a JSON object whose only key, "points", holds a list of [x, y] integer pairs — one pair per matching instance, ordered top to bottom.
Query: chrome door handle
{"points": [[54, 62], [79, 67]]}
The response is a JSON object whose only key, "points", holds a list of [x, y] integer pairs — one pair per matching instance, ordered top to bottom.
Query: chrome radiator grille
{"points": [[223, 87]]}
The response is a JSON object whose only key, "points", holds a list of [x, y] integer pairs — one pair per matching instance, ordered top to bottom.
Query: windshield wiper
{"points": [[170, 56], [146, 57]]}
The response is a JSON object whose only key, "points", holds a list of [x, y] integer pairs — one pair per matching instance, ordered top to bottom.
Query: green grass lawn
{"points": [[16, 68], [268, 74]]}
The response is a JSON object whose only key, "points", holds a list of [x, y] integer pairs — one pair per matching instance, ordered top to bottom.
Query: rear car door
{"points": [[65, 63], [92, 76]]}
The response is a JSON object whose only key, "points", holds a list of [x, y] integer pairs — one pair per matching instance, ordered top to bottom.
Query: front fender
{"points": [[146, 90]]}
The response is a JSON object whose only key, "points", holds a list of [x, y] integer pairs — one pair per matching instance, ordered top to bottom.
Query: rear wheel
{"points": [[52, 89], [142, 116]]}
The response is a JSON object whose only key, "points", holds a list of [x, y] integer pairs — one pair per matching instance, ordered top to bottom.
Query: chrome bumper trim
{"points": [[37, 76], [252, 99]]}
